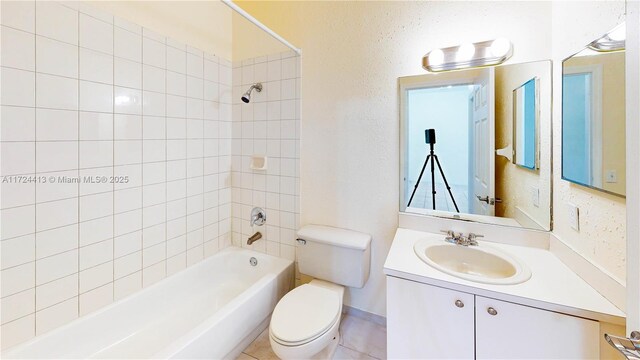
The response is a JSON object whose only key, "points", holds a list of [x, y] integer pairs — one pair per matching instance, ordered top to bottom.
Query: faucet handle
{"points": [[450, 234], [474, 236]]}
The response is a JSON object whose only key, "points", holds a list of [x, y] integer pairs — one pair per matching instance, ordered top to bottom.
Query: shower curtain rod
{"points": [[253, 20]]}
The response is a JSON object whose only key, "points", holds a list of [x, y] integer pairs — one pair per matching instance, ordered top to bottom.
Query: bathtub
{"points": [[210, 310]]}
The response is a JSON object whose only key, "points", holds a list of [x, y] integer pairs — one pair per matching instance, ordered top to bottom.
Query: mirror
{"points": [[593, 120], [525, 124], [481, 140]]}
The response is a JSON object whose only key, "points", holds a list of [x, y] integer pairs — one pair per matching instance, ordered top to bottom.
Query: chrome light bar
{"points": [[468, 55]]}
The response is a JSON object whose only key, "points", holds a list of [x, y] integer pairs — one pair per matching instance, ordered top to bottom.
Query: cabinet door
{"points": [[424, 322], [520, 332]]}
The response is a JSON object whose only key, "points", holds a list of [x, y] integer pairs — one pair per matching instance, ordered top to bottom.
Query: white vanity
{"points": [[488, 310]]}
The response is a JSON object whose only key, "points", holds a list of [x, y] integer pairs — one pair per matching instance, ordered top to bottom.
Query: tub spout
{"points": [[255, 237]]}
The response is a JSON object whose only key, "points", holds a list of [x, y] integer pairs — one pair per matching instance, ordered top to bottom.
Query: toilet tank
{"points": [[332, 254]]}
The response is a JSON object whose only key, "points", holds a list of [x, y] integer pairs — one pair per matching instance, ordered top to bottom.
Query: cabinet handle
{"points": [[459, 303], [492, 311]]}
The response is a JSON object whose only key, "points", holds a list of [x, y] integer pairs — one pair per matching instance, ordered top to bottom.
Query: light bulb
{"points": [[500, 47], [465, 52], [436, 57]]}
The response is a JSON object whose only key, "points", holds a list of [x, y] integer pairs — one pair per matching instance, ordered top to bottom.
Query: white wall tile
{"points": [[19, 15], [57, 21], [96, 34], [127, 44], [18, 50], [154, 53], [56, 57], [176, 60], [195, 65], [95, 66], [127, 73], [154, 79], [176, 83], [22, 84], [55, 92], [96, 97], [127, 101], [154, 104], [18, 123], [56, 125], [95, 126], [127, 127], [154, 127], [127, 152], [96, 154], [56, 155], [59, 185], [96, 206], [56, 213], [18, 221], [97, 230], [56, 241], [127, 244], [17, 251], [95, 254], [127, 265], [56, 266], [153, 274], [96, 276], [127, 285], [56, 291], [95, 299], [18, 305], [56, 316], [19, 330]]}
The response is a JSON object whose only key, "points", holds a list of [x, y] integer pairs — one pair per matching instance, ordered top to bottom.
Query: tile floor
{"points": [[422, 198], [359, 339]]}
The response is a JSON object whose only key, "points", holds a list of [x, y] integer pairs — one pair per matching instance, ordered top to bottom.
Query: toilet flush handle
{"points": [[302, 241]]}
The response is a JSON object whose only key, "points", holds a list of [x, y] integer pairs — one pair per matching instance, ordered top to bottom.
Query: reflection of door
{"points": [[482, 136]]}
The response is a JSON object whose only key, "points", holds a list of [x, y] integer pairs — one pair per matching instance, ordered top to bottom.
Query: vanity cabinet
{"points": [[430, 322]]}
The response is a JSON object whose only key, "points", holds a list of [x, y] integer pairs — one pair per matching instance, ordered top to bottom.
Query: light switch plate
{"points": [[535, 196], [574, 217]]}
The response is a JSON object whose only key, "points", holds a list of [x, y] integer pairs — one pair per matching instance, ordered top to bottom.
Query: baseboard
{"points": [[598, 278], [374, 318]]}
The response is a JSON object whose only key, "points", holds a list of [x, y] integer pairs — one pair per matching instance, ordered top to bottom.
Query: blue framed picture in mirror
{"points": [[525, 122]]}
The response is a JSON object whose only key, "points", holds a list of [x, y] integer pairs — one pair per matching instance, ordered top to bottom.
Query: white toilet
{"points": [[305, 323]]}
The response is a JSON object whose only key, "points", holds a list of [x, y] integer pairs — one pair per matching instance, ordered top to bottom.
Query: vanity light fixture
{"points": [[612, 41], [485, 53]]}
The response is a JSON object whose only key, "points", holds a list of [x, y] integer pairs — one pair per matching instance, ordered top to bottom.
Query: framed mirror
{"points": [[593, 118], [525, 125], [476, 145]]}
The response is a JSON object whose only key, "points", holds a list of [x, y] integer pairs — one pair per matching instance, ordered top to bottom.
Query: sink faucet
{"points": [[460, 239]]}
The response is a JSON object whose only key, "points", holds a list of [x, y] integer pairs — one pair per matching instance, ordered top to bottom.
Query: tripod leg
{"points": [[419, 178], [433, 182], [445, 182]]}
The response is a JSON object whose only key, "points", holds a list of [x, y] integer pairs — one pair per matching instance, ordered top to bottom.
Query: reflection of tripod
{"points": [[430, 138]]}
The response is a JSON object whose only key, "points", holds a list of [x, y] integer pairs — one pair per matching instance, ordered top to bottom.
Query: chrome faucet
{"points": [[460, 239]]}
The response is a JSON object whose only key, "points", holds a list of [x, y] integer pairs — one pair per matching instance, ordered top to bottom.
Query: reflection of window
{"points": [[582, 124]]}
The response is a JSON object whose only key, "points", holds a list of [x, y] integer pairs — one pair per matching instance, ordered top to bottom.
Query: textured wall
{"points": [[353, 54], [602, 217]]}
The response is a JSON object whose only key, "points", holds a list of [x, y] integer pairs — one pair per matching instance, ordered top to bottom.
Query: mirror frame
{"points": [[624, 196]]}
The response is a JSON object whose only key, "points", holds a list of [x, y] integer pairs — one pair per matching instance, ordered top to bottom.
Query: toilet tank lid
{"points": [[335, 236]]}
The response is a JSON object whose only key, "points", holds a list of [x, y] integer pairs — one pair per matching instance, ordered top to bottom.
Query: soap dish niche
{"points": [[258, 162]]}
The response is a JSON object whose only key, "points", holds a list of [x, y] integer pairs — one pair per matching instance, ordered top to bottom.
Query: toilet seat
{"points": [[305, 314]]}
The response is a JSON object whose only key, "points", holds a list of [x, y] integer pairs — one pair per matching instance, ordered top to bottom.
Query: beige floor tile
{"points": [[364, 336], [260, 348], [343, 353], [244, 356]]}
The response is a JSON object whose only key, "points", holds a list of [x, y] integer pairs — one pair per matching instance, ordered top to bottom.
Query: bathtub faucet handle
{"points": [[258, 217]]}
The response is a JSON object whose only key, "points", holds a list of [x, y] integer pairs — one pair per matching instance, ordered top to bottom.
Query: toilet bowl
{"points": [[305, 323]]}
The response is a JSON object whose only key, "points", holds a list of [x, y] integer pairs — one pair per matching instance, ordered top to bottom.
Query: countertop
{"points": [[553, 286]]}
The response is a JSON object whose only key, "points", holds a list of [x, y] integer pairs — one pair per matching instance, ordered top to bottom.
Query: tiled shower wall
{"points": [[269, 125], [115, 162]]}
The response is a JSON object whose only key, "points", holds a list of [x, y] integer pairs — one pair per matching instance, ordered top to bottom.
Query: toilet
{"points": [[305, 322]]}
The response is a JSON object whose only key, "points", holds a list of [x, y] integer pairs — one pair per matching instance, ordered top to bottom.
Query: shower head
{"points": [[247, 96]]}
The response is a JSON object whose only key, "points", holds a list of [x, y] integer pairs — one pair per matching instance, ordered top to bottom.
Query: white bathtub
{"points": [[210, 310]]}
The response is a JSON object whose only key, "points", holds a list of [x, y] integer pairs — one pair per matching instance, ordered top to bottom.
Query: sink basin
{"points": [[482, 263]]}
